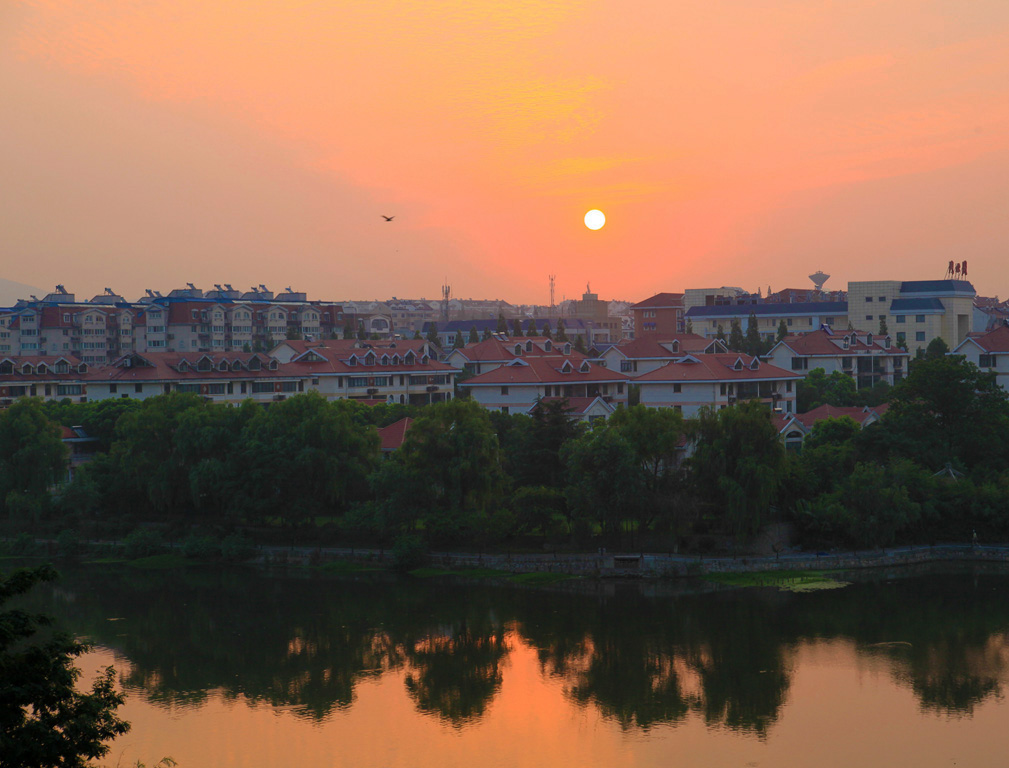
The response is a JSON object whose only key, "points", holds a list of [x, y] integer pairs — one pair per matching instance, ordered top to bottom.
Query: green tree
{"points": [[502, 324], [690, 326], [516, 328], [348, 330], [782, 330], [883, 330], [544, 331], [562, 331], [293, 333], [720, 333], [486, 334], [474, 337], [736, 340], [580, 344], [754, 345], [936, 348], [818, 389], [946, 410], [655, 435], [32, 454], [304, 457], [452, 459], [738, 464], [605, 479], [44, 719]]}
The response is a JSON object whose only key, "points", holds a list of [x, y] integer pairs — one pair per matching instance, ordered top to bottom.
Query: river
{"points": [[236, 667]]}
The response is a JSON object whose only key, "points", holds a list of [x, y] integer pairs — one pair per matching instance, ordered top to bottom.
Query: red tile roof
{"points": [[661, 301], [996, 340], [822, 343], [656, 347], [495, 350], [718, 367], [545, 370], [578, 405], [855, 412], [392, 437]]}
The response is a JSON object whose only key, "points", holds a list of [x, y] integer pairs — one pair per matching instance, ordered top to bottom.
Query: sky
{"points": [[151, 143]]}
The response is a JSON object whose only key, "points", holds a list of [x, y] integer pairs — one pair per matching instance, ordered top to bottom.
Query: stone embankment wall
{"points": [[646, 565]]}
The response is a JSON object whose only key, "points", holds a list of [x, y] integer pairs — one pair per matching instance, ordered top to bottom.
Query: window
{"points": [[882, 298], [868, 299], [868, 317], [900, 318], [919, 318], [828, 320], [789, 321], [901, 336], [919, 336], [986, 361], [846, 363], [800, 364], [628, 366], [357, 381], [289, 386], [788, 386], [259, 387], [113, 388], [138, 388], [194, 388], [677, 388], [721, 388], [68, 389], [217, 389], [504, 390], [504, 409]]}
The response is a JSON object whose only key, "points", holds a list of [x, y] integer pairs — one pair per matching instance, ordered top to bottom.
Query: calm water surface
{"points": [[236, 668]]}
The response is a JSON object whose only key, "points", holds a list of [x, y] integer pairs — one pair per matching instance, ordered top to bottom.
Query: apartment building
{"points": [[660, 315], [798, 317], [104, 328], [989, 351], [646, 353], [484, 356], [868, 358], [693, 382], [516, 386]]}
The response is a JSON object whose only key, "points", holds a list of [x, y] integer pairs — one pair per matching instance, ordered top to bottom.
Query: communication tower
{"points": [[553, 278]]}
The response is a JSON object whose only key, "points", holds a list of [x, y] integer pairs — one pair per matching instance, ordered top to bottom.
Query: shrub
{"points": [[143, 542], [68, 543], [201, 547], [237, 547], [408, 553]]}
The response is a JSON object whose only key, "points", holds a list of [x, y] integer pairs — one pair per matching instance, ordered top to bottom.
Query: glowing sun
{"points": [[595, 219]]}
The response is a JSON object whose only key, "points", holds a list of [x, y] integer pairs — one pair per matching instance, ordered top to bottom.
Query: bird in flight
{"points": [[387, 218]]}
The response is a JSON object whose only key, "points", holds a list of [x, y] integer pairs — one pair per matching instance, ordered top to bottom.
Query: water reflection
{"points": [[307, 644]]}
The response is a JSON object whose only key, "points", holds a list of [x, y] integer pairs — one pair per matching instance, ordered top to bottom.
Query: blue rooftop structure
{"points": [[945, 287], [923, 306], [776, 310]]}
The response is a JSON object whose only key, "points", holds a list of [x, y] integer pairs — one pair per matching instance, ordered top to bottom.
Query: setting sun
{"points": [[595, 219]]}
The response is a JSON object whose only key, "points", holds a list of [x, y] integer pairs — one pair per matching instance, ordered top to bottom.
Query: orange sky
{"points": [[729, 143]]}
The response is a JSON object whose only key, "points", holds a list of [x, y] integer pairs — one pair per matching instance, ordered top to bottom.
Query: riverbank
{"points": [[647, 565]]}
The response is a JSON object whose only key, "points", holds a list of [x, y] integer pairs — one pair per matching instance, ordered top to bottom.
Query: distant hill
{"points": [[10, 292]]}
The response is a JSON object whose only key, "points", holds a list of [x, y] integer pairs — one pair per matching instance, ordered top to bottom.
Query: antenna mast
{"points": [[552, 279], [446, 294]]}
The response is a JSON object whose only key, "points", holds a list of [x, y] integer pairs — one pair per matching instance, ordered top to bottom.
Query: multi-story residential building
{"points": [[916, 311], [660, 316], [798, 317], [104, 328], [989, 351], [646, 353], [484, 356], [866, 357], [397, 372], [52, 377], [715, 381], [516, 386]]}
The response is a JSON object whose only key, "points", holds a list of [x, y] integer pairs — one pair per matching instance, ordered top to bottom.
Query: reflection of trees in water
{"points": [[307, 643], [644, 667], [455, 674]]}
